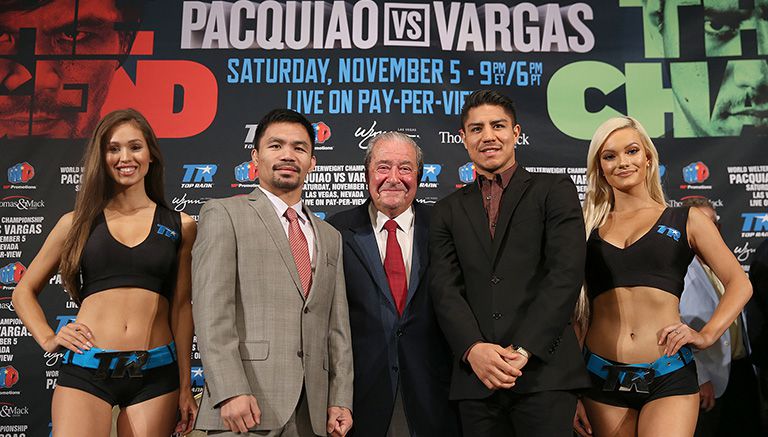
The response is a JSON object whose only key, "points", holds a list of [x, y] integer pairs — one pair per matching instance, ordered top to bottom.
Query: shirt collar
{"points": [[505, 176], [281, 206], [404, 220]]}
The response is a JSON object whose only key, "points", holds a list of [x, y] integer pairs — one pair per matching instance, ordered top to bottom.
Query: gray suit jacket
{"points": [[257, 334]]}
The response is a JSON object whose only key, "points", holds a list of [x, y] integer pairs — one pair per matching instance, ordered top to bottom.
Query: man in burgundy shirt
{"points": [[507, 263]]}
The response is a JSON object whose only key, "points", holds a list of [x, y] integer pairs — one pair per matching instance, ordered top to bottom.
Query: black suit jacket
{"points": [[520, 287], [388, 347]]}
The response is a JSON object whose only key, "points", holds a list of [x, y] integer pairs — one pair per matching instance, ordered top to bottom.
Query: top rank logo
{"points": [[19, 174], [198, 175], [429, 176], [755, 224]]}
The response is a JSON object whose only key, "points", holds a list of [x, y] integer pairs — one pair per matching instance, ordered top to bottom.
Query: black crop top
{"points": [[659, 259], [107, 263]]}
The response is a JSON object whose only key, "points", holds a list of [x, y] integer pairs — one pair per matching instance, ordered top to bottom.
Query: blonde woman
{"points": [[125, 259], [638, 352]]}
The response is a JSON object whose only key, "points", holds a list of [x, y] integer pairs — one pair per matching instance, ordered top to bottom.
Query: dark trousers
{"points": [[737, 411], [505, 414]]}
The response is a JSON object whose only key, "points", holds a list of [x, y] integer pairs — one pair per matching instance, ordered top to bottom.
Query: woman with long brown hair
{"points": [[125, 259], [638, 352]]}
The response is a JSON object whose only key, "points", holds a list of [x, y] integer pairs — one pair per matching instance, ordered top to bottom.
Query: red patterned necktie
{"points": [[299, 249], [394, 267]]}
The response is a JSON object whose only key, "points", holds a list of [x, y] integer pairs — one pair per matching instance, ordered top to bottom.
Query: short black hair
{"points": [[488, 97], [283, 115]]}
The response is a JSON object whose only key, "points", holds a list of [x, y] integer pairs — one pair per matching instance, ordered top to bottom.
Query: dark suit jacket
{"points": [[518, 288], [387, 347]]}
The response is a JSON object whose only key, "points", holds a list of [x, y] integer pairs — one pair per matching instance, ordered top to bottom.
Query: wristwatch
{"points": [[522, 351]]}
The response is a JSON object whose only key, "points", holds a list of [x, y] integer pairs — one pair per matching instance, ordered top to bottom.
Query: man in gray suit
{"points": [[270, 304], [729, 395]]}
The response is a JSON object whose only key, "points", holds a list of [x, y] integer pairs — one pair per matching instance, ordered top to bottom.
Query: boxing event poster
{"points": [[694, 72]]}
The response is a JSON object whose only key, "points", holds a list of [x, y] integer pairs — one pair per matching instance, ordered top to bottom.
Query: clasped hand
{"points": [[495, 366]]}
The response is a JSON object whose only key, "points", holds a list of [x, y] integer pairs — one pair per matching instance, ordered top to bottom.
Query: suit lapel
{"points": [[509, 200], [473, 206], [266, 211], [365, 246], [419, 259]]}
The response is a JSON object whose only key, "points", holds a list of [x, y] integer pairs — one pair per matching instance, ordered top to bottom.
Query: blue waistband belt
{"points": [[91, 359], [664, 365]]}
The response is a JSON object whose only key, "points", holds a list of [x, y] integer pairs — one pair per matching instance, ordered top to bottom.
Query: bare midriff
{"points": [[126, 319], [626, 321]]}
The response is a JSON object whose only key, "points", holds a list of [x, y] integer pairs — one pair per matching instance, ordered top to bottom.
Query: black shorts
{"points": [[683, 381], [123, 391]]}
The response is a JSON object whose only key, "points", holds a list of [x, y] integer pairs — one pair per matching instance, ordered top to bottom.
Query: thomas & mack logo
{"points": [[198, 175], [22, 203], [9, 410]]}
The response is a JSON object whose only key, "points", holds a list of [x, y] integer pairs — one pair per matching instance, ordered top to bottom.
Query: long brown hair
{"points": [[97, 188]]}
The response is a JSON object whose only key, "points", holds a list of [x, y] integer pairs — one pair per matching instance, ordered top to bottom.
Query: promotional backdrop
{"points": [[694, 72]]}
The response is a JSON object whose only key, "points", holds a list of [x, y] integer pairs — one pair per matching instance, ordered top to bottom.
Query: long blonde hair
{"points": [[97, 189], [599, 200]]}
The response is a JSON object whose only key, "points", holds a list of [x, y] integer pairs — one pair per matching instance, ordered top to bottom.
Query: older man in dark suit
{"points": [[401, 360]]}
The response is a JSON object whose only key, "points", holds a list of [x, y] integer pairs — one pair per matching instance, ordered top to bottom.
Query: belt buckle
{"points": [[628, 378]]}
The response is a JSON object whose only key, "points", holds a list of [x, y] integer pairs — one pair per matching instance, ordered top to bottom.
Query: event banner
{"points": [[694, 72]]}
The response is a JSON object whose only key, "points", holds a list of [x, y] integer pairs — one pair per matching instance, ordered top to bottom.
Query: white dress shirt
{"points": [[304, 223], [404, 234]]}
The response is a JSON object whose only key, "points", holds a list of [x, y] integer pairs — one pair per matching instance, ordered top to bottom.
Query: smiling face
{"points": [[490, 135], [127, 155], [283, 158], [623, 160], [393, 176]]}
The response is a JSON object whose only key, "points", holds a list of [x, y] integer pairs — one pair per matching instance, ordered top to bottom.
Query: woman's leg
{"points": [[78, 413], [673, 416], [153, 417], [610, 421]]}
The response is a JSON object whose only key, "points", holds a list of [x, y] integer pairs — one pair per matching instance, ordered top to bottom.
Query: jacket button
{"points": [[495, 280], [306, 310], [497, 316], [399, 332], [300, 354], [394, 369]]}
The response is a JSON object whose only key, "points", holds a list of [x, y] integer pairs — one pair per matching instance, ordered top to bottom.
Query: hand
{"points": [[678, 335], [73, 336], [519, 361], [489, 362], [707, 396], [188, 409], [239, 413], [339, 421], [580, 421]]}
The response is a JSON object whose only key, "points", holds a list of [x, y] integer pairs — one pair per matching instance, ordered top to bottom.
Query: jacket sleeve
{"points": [[564, 252], [214, 278], [447, 287], [341, 370]]}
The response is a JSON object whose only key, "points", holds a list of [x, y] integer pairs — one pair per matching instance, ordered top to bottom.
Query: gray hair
{"points": [[393, 136]]}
